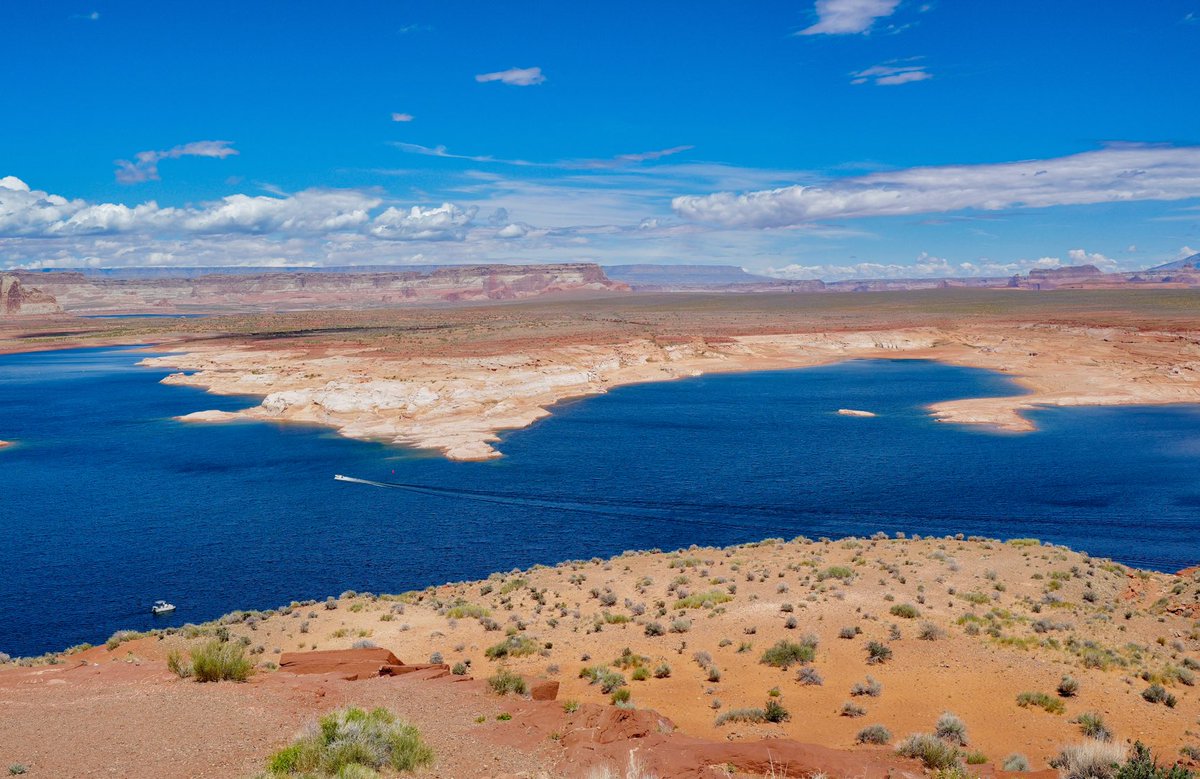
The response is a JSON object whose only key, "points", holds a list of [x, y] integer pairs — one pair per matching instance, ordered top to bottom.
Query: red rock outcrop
{"points": [[19, 300], [351, 664]]}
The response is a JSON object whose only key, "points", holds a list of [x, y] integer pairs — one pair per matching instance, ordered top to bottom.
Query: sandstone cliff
{"points": [[19, 300]]}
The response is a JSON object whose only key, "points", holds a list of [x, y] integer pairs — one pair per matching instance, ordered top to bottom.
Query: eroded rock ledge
{"points": [[458, 405]]}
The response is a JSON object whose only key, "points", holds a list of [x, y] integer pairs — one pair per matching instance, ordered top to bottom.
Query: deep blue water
{"points": [[107, 504]]}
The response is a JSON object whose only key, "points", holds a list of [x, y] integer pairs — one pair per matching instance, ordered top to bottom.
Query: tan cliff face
{"points": [[80, 293], [19, 300], [459, 404]]}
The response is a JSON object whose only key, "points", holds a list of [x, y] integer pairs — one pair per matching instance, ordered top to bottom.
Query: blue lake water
{"points": [[107, 504]]}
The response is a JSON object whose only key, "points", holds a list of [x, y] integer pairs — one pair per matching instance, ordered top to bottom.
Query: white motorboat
{"points": [[162, 607]]}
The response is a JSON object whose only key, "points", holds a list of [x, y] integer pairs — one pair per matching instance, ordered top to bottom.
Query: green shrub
{"points": [[839, 572], [703, 600], [467, 610], [905, 611], [513, 646], [878, 652], [786, 653], [216, 662], [177, 665], [459, 669], [662, 671], [640, 674], [505, 681], [1068, 687], [1156, 693], [621, 695], [1042, 701], [773, 711], [741, 715], [1092, 725], [951, 729], [873, 734], [352, 744], [933, 752], [976, 758], [1090, 760], [1015, 762], [1142, 765]]}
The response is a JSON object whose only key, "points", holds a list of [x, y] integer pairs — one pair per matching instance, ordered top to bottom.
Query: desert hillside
{"points": [[857, 640]]}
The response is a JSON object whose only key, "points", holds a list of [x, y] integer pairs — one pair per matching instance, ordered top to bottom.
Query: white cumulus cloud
{"points": [[846, 17], [516, 77], [399, 117], [1117, 173], [447, 222]]}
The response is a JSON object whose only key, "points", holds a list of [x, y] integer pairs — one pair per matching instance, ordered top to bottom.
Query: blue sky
{"points": [[834, 138]]}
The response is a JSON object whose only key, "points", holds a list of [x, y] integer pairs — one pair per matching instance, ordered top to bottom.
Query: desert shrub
{"points": [[840, 572], [703, 600], [465, 610], [904, 611], [681, 625], [654, 629], [848, 632], [930, 632], [513, 646], [878, 652], [785, 653], [215, 662], [177, 665], [459, 669], [662, 671], [640, 674], [714, 674], [809, 677], [505, 681], [870, 687], [1068, 687], [1156, 693], [621, 695], [1042, 701], [852, 710], [774, 711], [741, 715], [1092, 725], [951, 729], [873, 734], [352, 744], [933, 752], [976, 758], [1090, 760], [1015, 762], [1142, 765]]}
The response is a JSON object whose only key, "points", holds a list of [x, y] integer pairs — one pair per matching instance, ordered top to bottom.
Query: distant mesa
{"points": [[155, 290], [97, 291], [853, 412]]}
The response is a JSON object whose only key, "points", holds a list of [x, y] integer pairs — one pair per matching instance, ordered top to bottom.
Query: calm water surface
{"points": [[108, 504]]}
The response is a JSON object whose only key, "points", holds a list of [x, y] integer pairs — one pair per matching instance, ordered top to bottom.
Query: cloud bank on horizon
{"points": [[982, 168]]}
